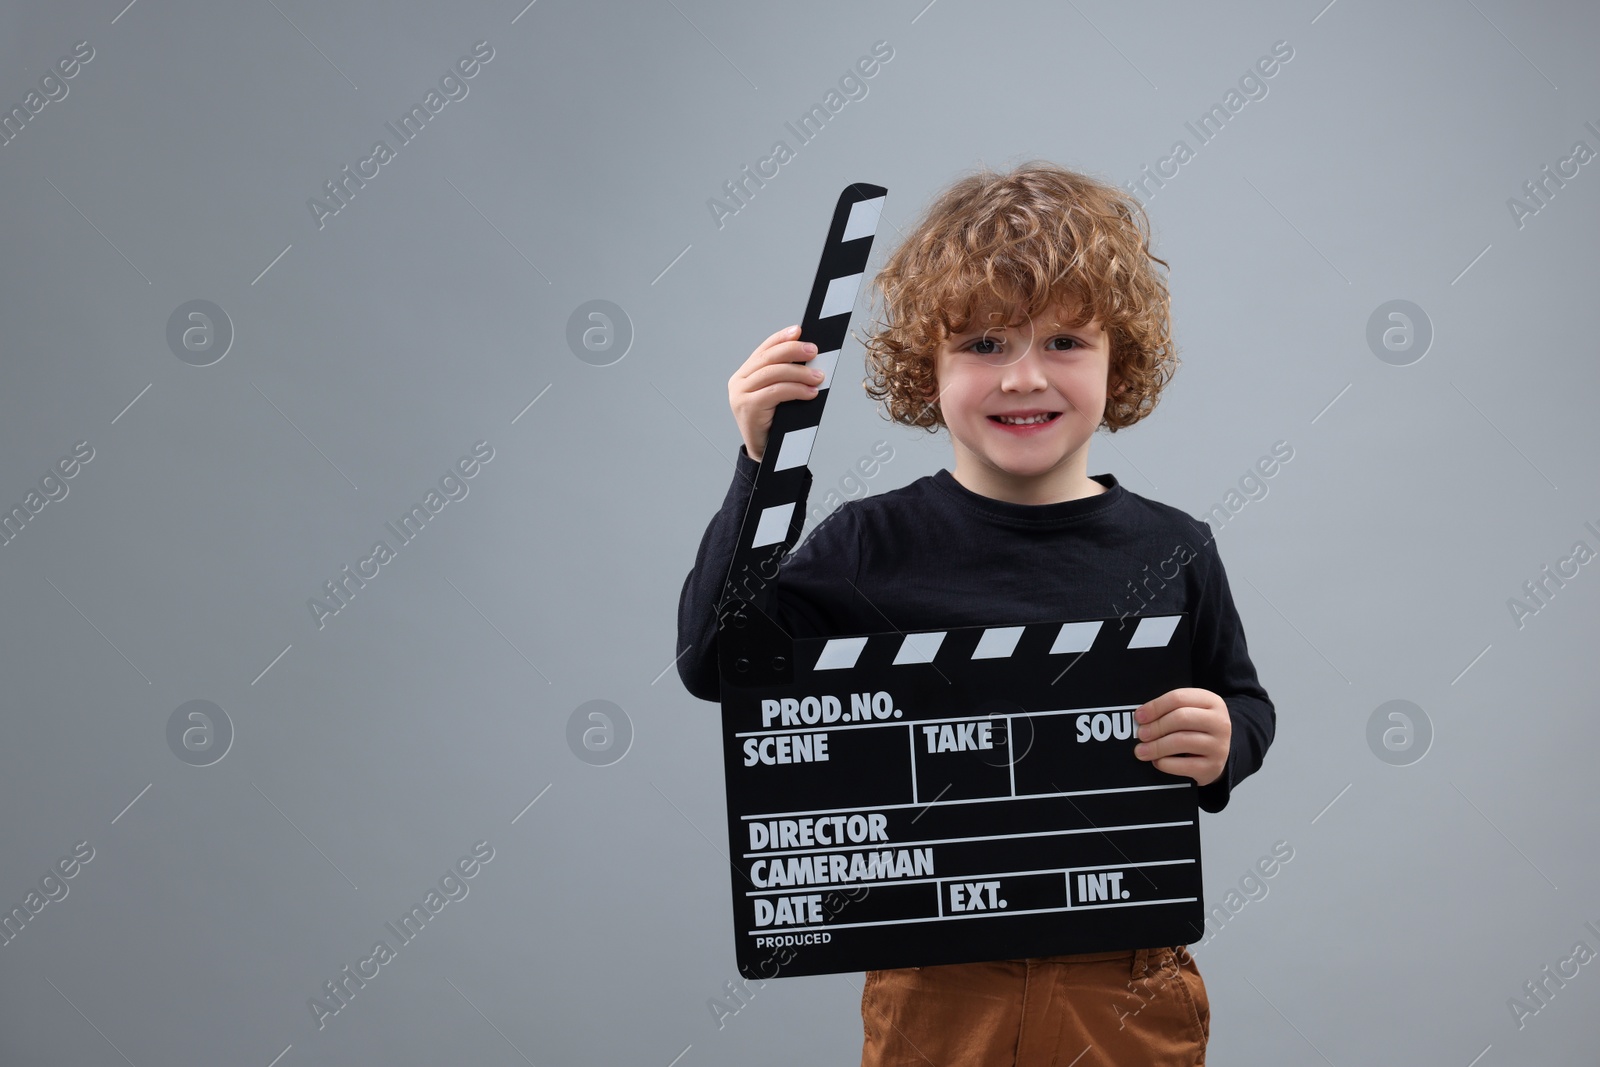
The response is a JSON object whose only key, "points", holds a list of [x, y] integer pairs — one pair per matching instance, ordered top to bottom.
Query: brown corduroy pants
{"points": [[1095, 1009]]}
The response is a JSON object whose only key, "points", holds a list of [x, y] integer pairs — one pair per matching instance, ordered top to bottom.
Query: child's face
{"points": [[1040, 366]]}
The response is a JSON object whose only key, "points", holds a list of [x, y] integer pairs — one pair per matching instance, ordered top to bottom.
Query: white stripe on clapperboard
{"points": [[863, 219], [911, 738], [964, 800], [964, 840], [790, 890], [763, 931]]}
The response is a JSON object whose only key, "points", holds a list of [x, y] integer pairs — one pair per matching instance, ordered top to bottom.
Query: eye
{"points": [[994, 346]]}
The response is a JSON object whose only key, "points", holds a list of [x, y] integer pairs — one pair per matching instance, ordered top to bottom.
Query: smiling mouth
{"points": [[1032, 420]]}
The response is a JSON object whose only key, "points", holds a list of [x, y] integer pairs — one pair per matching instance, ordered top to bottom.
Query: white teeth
{"points": [[1024, 422]]}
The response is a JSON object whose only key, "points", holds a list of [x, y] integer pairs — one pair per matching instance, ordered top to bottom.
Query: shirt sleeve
{"points": [[814, 588], [1221, 663]]}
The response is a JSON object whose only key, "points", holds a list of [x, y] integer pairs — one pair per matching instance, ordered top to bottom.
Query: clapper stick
{"points": [[751, 646], [952, 796]]}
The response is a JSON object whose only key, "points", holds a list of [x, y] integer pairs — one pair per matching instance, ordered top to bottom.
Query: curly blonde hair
{"points": [[1022, 242]]}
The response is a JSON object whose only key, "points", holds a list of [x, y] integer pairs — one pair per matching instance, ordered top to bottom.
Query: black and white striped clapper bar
{"points": [[909, 799]]}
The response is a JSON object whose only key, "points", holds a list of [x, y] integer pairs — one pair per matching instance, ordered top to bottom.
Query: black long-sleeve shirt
{"points": [[936, 555]]}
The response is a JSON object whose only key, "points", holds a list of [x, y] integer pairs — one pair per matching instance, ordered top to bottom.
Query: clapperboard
{"points": [[910, 799]]}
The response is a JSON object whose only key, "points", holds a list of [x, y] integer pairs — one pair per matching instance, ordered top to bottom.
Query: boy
{"points": [[1022, 313]]}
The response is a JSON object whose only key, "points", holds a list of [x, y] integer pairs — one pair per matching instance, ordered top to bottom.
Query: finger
{"points": [[788, 333], [783, 341], [791, 351], [789, 354], [785, 359], [777, 374], [773, 395], [760, 406], [1192, 695], [1171, 700], [1152, 710], [1184, 717], [1188, 720], [1183, 743]]}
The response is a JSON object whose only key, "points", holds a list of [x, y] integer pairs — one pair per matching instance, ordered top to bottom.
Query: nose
{"points": [[1025, 374]]}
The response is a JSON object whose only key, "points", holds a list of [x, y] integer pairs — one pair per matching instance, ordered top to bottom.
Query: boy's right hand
{"points": [[768, 378]]}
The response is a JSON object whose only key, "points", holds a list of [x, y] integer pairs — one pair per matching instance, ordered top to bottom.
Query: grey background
{"points": [[370, 754]]}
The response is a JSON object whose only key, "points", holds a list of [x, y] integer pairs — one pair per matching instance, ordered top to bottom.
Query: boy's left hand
{"points": [[1187, 732]]}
